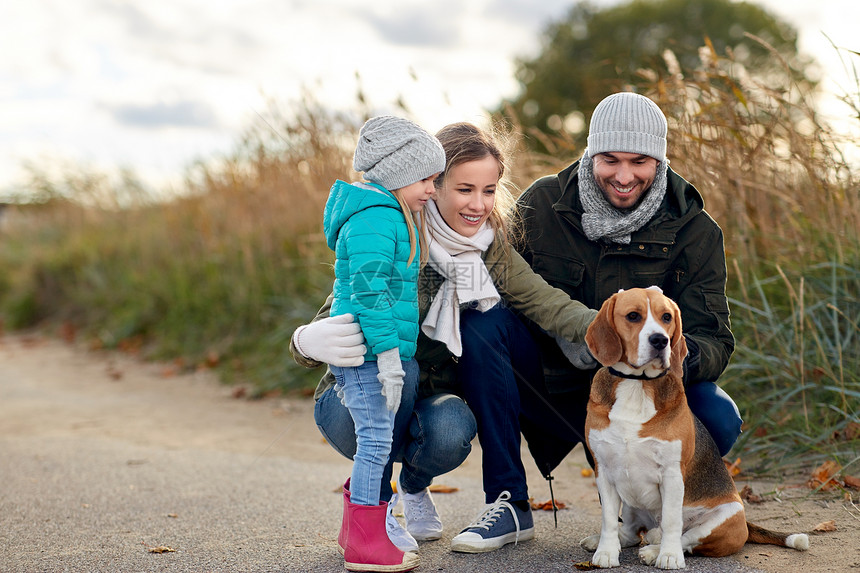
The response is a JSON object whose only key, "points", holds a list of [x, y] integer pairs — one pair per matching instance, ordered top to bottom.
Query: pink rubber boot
{"points": [[344, 524], [368, 547]]}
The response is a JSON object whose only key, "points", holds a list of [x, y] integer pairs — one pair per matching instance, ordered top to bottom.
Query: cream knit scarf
{"points": [[602, 220], [458, 260]]}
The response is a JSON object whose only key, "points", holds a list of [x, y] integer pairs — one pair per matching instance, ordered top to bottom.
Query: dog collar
{"points": [[615, 372]]}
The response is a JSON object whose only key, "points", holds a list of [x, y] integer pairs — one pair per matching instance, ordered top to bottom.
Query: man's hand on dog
{"points": [[577, 353]]}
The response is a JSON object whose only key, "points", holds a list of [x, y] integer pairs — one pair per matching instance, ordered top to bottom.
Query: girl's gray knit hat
{"points": [[630, 123], [395, 152]]}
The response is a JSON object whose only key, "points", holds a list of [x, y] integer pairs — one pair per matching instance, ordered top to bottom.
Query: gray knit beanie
{"points": [[630, 123], [395, 152]]}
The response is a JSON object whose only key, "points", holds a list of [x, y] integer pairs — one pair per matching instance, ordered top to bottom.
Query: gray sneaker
{"points": [[500, 523]]}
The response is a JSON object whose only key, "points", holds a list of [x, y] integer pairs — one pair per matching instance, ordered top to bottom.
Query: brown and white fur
{"points": [[655, 463]]}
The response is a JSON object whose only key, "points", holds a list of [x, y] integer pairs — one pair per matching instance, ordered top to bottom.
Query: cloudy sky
{"points": [[153, 85]]}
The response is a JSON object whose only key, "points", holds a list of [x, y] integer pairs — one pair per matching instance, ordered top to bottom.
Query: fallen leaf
{"points": [[68, 332], [131, 345], [212, 359], [114, 372], [239, 392], [849, 433], [734, 467], [822, 477], [852, 482], [434, 488], [439, 488], [748, 496], [547, 505], [173, 515], [825, 526], [161, 549], [585, 566]]}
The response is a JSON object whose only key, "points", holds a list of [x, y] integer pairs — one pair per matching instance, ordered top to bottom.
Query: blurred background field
{"points": [[218, 273]]}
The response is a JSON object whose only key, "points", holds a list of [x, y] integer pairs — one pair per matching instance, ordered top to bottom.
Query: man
{"points": [[621, 218]]}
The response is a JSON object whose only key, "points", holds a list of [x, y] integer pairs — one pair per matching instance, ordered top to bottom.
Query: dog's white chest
{"points": [[633, 406], [633, 463]]}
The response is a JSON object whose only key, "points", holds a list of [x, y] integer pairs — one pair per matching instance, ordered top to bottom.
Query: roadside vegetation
{"points": [[219, 274]]}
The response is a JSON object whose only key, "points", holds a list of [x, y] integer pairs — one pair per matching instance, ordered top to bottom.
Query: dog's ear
{"points": [[602, 339], [679, 343]]}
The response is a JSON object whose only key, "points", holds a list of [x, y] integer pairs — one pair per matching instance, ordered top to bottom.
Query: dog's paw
{"points": [[654, 536], [590, 543], [648, 554], [651, 555], [604, 559], [670, 561]]}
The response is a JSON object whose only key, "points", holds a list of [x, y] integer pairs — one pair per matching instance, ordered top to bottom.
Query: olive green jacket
{"points": [[520, 288]]}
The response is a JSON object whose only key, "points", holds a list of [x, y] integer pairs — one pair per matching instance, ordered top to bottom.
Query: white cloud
{"points": [[153, 85]]}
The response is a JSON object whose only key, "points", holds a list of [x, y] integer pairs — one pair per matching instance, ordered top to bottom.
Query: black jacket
{"points": [[680, 250]]}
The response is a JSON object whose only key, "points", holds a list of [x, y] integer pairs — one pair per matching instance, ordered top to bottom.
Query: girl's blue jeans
{"points": [[502, 379], [430, 437]]}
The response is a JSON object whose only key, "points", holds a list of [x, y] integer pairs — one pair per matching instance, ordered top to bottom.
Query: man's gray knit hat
{"points": [[630, 123], [395, 152]]}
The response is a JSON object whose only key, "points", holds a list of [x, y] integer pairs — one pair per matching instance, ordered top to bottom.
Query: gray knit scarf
{"points": [[602, 220]]}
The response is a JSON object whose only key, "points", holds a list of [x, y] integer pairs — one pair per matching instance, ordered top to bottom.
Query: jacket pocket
{"points": [[558, 270], [716, 302]]}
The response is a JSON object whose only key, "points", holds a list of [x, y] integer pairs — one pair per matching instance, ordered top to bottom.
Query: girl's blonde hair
{"points": [[464, 142], [414, 221]]}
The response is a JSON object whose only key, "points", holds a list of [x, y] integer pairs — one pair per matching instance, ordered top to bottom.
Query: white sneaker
{"points": [[422, 519], [398, 536]]}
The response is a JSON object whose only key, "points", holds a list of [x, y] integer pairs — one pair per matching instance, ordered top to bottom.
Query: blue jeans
{"points": [[498, 355], [501, 375], [717, 411], [373, 424], [431, 436]]}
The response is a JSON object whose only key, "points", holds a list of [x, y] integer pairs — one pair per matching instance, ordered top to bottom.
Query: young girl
{"points": [[372, 228]]}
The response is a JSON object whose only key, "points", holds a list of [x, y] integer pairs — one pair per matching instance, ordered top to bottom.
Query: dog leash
{"points": [[549, 479]]}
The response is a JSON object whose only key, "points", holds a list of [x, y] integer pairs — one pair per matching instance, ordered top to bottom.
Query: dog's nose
{"points": [[658, 341]]}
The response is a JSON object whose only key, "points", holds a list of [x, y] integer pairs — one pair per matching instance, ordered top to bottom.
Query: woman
{"points": [[471, 342]]}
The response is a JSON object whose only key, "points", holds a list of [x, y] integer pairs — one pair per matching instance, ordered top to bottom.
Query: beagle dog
{"points": [[655, 463]]}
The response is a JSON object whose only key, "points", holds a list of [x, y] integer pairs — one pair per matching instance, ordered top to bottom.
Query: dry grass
{"points": [[223, 273]]}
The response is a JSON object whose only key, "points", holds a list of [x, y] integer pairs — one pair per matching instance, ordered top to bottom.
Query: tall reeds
{"points": [[776, 178], [221, 274]]}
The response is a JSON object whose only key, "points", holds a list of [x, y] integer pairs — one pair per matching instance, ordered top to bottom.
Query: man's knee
{"points": [[717, 411]]}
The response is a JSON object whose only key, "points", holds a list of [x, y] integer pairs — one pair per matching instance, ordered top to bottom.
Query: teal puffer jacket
{"points": [[365, 227]]}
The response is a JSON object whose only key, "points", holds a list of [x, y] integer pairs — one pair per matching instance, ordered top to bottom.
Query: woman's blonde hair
{"points": [[464, 142]]}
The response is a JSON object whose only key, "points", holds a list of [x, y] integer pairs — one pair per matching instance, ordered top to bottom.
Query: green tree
{"points": [[593, 52]]}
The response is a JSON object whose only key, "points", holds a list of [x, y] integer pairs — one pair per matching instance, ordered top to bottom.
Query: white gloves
{"points": [[336, 340], [577, 353], [391, 375]]}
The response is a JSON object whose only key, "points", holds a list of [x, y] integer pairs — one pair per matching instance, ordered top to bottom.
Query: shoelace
{"points": [[419, 505], [494, 512]]}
